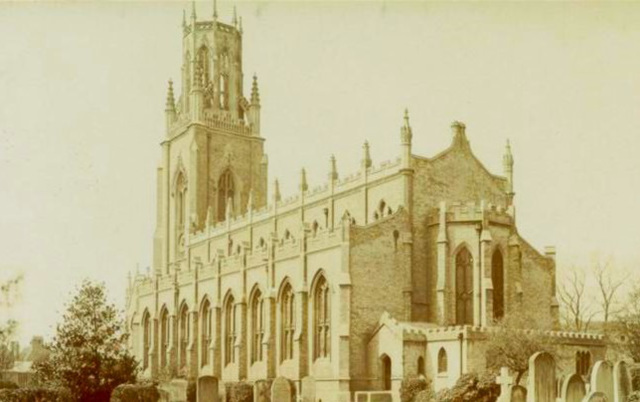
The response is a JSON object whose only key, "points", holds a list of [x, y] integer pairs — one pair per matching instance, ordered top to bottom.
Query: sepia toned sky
{"points": [[83, 85]]}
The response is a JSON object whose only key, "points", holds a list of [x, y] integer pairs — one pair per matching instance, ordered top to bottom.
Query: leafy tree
{"points": [[515, 339], [88, 354]]}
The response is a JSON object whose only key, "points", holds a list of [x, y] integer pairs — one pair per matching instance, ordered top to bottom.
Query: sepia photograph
{"points": [[319, 201]]}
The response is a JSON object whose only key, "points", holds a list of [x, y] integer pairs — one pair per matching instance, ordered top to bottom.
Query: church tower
{"points": [[213, 155]]}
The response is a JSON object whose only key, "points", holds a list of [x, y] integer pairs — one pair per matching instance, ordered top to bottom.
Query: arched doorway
{"points": [[497, 277], [464, 288], [385, 363]]}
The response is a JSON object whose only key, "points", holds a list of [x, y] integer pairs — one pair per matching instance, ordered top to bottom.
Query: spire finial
{"points": [[215, 9], [193, 10], [235, 16], [255, 94], [171, 102], [406, 117], [405, 132], [366, 157], [333, 169], [303, 180], [276, 190]]}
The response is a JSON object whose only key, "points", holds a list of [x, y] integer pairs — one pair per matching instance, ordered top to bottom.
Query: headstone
{"points": [[542, 378], [602, 379], [505, 380], [621, 381], [207, 389], [308, 389], [573, 389], [261, 390], [283, 390], [518, 393], [595, 396]]}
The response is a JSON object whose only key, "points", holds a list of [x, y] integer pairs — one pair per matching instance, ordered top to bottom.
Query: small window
{"points": [[442, 361], [420, 365]]}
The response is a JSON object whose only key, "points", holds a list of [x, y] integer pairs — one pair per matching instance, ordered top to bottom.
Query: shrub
{"points": [[4, 384], [410, 387], [472, 387], [192, 391], [239, 392], [136, 393], [36, 395], [426, 395], [634, 397]]}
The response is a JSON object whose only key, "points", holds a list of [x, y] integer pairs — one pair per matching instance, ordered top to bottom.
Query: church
{"points": [[397, 269]]}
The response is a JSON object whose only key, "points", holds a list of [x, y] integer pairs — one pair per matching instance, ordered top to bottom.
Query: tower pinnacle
{"points": [[215, 9], [193, 11], [235, 16], [255, 94], [171, 102], [405, 132], [366, 156], [507, 165]]}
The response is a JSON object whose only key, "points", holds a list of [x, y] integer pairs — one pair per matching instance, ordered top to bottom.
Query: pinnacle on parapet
{"points": [[215, 9], [193, 10], [235, 16], [240, 23], [255, 93], [171, 102], [405, 130], [366, 155], [507, 159], [333, 170], [304, 186], [276, 191]]}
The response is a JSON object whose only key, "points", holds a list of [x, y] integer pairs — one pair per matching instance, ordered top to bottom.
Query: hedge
{"points": [[5, 384], [411, 386], [239, 392], [136, 393], [36, 395]]}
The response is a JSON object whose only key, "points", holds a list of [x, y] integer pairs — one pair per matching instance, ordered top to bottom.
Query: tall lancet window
{"points": [[203, 64], [223, 91], [226, 191], [181, 212], [497, 277], [464, 288], [322, 319], [288, 323], [257, 326], [229, 330], [205, 332], [183, 335], [164, 336], [146, 339]]}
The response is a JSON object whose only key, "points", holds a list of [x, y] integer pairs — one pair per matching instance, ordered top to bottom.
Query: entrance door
{"points": [[464, 288]]}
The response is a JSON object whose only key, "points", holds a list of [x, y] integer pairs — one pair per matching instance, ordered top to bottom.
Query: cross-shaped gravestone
{"points": [[505, 381]]}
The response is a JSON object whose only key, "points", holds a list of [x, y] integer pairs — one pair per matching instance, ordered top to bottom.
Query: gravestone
{"points": [[602, 378], [505, 381], [621, 381], [541, 385], [207, 389], [308, 389], [573, 389], [261, 390], [282, 390], [518, 393], [595, 396]]}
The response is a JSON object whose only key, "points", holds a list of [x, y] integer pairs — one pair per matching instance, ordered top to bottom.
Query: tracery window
{"points": [[203, 63], [223, 91], [226, 194], [181, 212], [497, 277], [464, 288], [322, 319], [257, 326], [288, 326], [230, 330], [205, 332], [183, 334], [164, 337], [146, 339]]}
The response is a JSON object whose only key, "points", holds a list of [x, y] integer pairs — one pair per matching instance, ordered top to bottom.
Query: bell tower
{"points": [[213, 154]]}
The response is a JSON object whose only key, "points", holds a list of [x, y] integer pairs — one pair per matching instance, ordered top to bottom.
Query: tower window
{"points": [[203, 63], [223, 91], [226, 192], [287, 312], [322, 319], [257, 326], [230, 330], [205, 332]]}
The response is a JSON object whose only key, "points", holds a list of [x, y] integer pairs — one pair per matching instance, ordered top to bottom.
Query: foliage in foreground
{"points": [[88, 355], [412, 386], [472, 387], [239, 392], [135, 393], [36, 395]]}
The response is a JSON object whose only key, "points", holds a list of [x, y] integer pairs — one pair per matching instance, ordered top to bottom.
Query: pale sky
{"points": [[83, 89]]}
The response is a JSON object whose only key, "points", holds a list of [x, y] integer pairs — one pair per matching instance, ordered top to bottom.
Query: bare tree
{"points": [[608, 285], [577, 310]]}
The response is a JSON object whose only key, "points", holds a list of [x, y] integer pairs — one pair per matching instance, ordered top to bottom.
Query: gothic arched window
{"points": [[203, 63], [223, 91], [226, 193], [181, 212], [497, 277], [464, 288], [322, 319], [288, 323], [257, 326], [229, 330], [205, 332], [183, 334], [164, 336], [146, 339], [442, 361], [583, 362], [421, 365]]}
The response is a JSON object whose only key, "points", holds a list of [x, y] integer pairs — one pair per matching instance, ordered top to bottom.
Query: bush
{"points": [[4, 384], [411, 386], [472, 387], [192, 391], [239, 392], [135, 393], [35, 395], [426, 395], [634, 397]]}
